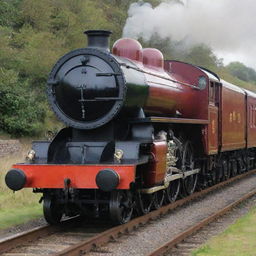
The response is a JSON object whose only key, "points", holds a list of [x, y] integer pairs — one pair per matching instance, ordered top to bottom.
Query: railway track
{"points": [[72, 238], [166, 248]]}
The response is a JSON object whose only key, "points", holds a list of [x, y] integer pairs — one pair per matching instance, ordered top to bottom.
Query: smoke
{"points": [[227, 26]]}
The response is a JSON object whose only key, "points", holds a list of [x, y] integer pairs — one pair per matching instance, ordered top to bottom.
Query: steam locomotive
{"points": [[141, 131]]}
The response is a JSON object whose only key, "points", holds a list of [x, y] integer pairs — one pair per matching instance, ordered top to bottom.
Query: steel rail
{"points": [[190, 231], [113, 233], [32, 235], [24, 237]]}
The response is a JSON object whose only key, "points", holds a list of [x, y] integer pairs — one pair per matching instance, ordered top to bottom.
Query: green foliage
{"points": [[9, 12], [44, 31], [34, 34], [166, 45], [37, 53], [202, 55], [242, 72], [20, 113], [19, 207], [14, 216], [237, 239]]}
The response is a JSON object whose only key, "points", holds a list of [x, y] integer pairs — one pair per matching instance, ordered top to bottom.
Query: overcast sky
{"points": [[227, 26]]}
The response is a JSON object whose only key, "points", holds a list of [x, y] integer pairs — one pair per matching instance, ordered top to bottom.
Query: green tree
{"points": [[9, 12], [34, 34], [202, 55], [242, 72], [21, 114]]}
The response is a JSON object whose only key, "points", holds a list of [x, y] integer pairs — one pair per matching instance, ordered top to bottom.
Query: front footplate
{"points": [[55, 176]]}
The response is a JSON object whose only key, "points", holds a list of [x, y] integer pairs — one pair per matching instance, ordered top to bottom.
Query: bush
{"points": [[9, 12], [34, 34], [242, 72], [21, 114]]}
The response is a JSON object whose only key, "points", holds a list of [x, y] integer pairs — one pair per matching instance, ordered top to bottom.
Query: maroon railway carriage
{"points": [[233, 117], [251, 119], [140, 131]]}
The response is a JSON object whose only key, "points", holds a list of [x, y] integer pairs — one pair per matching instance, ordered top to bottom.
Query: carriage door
{"points": [[212, 131]]}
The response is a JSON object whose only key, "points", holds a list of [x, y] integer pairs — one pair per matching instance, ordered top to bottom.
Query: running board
{"points": [[167, 181]]}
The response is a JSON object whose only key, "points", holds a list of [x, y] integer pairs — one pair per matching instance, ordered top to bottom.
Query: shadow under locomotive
{"points": [[140, 132]]}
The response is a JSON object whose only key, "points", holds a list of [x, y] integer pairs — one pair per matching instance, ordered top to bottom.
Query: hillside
{"points": [[35, 33]]}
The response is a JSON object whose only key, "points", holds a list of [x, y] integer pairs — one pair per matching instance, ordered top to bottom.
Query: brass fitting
{"points": [[31, 155], [118, 155]]}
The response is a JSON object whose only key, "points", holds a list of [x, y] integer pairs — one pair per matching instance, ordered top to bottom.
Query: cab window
{"points": [[214, 93]]}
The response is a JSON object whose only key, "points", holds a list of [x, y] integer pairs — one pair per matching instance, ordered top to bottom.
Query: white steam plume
{"points": [[227, 26]]}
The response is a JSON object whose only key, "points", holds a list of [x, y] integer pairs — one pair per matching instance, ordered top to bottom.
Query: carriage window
{"points": [[212, 92], [217, 93], [250, 116], [254, 117]]}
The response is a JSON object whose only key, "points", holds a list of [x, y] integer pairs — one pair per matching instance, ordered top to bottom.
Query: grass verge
{"points": [[21, 206], [13, 216], [239, 239]]}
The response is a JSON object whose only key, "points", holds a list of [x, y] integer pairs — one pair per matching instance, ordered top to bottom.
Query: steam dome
{"points": [[128, 48], [153, 58]]}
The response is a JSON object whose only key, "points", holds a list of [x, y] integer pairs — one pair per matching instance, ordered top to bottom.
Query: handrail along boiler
{"points": [[140, 132]]}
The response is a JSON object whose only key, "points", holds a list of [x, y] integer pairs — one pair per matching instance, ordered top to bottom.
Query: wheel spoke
{"points": [[189, 183], [172, 191], [143, 203], [120, 206]]}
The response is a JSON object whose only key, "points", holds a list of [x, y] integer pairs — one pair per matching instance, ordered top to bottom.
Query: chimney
{"points": [[98, 39]]}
